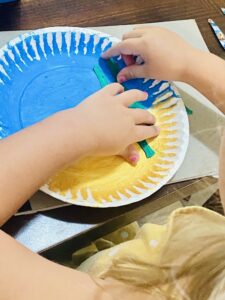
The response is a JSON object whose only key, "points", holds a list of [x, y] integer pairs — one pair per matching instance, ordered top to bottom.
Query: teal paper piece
{"points": [[114, 68], [101, 76], [137, 105], [188, 110], [149, 152]]}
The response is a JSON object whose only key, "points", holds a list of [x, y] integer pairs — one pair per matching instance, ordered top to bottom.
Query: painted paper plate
{"points": [[52, 69]]}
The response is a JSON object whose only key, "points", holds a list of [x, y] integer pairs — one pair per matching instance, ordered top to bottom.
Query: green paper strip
{"points": [[113, 66], [101, 76], [137, 105], [188, 110], [149, 152]]}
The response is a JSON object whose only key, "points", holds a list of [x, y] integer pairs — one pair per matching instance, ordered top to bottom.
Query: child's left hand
{"points": [[110, 126]]}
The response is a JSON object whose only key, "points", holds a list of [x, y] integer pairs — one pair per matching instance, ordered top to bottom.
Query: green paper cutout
{"points": [[113, 66], [101, 76], [137, 105], [188, 110], [149, 152]]}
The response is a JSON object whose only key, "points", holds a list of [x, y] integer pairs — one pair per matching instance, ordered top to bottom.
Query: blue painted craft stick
{"points": [[219, 34]]}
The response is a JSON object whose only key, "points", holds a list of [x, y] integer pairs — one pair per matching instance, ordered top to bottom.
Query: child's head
{"points": [[189, 264], [201, 277]]}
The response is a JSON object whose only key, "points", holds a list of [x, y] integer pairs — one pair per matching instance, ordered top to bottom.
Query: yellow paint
{"points": [[106, 177]]}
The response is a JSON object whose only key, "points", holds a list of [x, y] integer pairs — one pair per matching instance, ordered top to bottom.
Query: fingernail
{"points": [[121, 79], [146, 94], [134, 159]]}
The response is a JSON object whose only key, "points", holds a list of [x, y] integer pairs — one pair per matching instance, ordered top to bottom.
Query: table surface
{"points": [[38, 13], [33, 14]]}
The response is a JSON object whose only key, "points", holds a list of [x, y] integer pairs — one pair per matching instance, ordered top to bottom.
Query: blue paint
{"points": [[56, 82], [138, 83], [131, 84], [46, 86]]}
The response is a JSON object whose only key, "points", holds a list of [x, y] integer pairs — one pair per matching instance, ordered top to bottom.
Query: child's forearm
{"points": [[206, 72], [31, 156], [222, 172], [25, 275]]}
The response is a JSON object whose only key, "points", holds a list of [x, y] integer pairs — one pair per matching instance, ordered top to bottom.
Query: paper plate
{"points": [[52, 69]]}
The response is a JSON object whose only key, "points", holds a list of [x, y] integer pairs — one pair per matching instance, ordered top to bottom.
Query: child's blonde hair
{"points": [[191, 265]]}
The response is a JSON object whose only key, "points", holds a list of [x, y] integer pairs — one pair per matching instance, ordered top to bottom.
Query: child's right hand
{"points": [[166, 56]]}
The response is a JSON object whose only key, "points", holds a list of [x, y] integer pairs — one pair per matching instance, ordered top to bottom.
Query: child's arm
{"points": [[167, 56], [101, 125], [222, 172], [27, 276]]}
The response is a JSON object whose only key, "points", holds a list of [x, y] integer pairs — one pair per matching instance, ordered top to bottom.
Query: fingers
{"points": [[127, 47], [128, 59], [130, 72], [112, 89], [131, 96], [142, 117], [146, 132], [130, 154]]}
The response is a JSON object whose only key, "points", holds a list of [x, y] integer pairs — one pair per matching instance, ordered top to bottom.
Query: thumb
{"points": [[130, 72], [130, 154]]}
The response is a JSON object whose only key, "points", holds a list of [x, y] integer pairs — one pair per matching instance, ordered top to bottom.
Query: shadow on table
{"points": [[9, 15]]}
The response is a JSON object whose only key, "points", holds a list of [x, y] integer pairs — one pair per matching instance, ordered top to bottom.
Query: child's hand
{"points": [[165, 55], [107, 124]]}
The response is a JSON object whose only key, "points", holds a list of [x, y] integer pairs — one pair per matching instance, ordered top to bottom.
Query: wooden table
{"points": [[32, 14], [88, 223]]}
